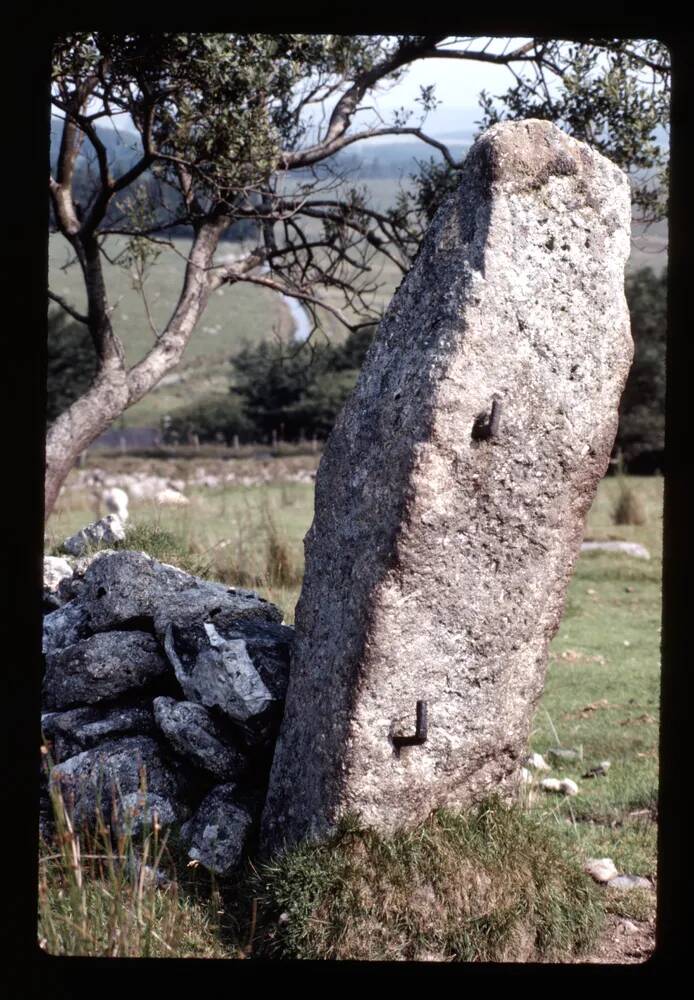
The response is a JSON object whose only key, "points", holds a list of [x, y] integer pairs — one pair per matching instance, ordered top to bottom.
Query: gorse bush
{"points": [[286, 390], [642, 408], [628, 507]]}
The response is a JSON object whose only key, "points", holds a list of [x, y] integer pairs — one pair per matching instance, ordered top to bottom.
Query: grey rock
{"points": [[452, 493], [107, 530], [628, 548], [126, 586], [70, 587], [51, 602], [65, 626], [269, 647], [101, 667], [242, 671], [80, 729], [196, 735], [564, 753], [599, 771], [110, 777], [218, 832], [146, 874], [629, 882]]}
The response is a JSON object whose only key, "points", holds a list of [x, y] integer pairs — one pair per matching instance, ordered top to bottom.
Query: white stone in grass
{"points": [[171, 498], [116, 501], [628, 548], [55, 569], [537, 762], [526, 776], [551, 784], [568, 787], [601, 869], [629, 882]]}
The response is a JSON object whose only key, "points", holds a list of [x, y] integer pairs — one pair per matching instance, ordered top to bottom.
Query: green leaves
{"points": [[614, 95]]}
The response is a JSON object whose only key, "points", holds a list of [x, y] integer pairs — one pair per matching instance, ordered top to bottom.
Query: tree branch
{"points": [[345, 108], [295, 294], [191, 304], [68, 308]]}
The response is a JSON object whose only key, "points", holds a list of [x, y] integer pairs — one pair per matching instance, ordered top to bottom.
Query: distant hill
{"points": [[123, 147], [363, 160]]}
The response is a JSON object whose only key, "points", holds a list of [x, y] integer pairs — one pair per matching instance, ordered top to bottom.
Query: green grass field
{"points": [[602, 689]]}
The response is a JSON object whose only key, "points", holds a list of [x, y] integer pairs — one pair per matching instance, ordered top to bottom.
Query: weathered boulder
{"points": [[452, 492], [108, 530], [126, 586], [70, 587], [64, 626], [101, 667], [242, 671], [79, 729], [196, 735], [120, 777], [218, 832]]}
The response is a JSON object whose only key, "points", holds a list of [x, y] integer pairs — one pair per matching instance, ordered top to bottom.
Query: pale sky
{"points": [[458, 82], [457, 85]]}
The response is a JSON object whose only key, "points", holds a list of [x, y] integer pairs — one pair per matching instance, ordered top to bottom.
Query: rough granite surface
{"points": [[439, 554], [124, 586], [101, 667], [79, 729], [193, 733], [110, 777], [218, 832]]}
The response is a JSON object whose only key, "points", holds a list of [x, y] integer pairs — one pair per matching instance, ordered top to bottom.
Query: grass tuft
{"points": [[166, 546], [280, 570], [493, 884], [115, 894]]}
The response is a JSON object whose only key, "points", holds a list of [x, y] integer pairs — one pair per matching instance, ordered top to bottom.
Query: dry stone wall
{"points": [[148, 667]]}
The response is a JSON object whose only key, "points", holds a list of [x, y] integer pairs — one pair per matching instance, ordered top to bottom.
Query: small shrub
{"points": [[628, 508]]}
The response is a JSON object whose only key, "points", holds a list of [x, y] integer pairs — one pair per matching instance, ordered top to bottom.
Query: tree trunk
{"points": [[115, 388], [76, 428]]}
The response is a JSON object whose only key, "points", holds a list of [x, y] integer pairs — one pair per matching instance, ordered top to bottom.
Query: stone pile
{"points": [[148, 667]]}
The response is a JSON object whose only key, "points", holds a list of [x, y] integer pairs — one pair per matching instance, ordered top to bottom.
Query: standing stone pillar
{"points": [[452, 493]]}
